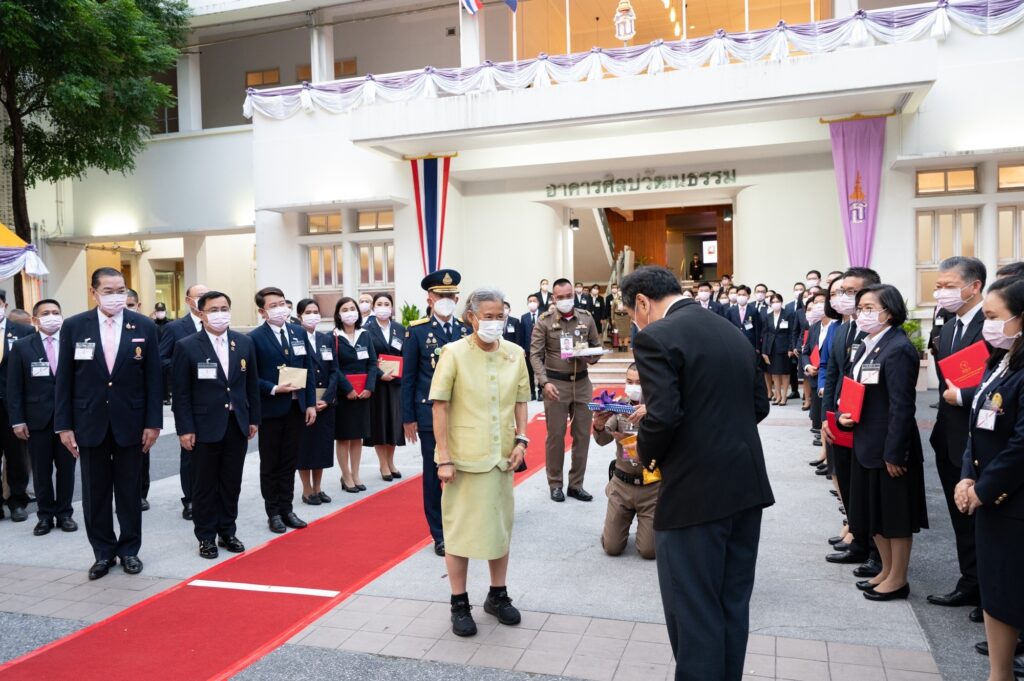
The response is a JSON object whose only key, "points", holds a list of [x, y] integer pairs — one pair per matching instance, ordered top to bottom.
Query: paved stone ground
{"points": [[587, 615]]}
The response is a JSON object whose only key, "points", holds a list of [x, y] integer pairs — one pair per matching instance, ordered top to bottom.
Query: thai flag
{"points": [[474, 6], [430, 182]]}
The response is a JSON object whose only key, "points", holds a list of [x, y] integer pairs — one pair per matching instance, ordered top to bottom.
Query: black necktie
{"points": [[448, 331], [957, 332], [284, 340]]}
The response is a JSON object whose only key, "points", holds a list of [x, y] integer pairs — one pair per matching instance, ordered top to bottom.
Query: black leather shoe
{"points": [[806, 407], [816, 442], [816, 462], [821, 471], [396, 475], [387, 477], [346, 488], [361, 488], [834, 493], [580, 494], [557, 495], [324, 498], [312, 500], [144, 505], [186, 510], [19, 514], [293, 521], [68, 525], [276, 525], [43, 527], [834, 540], [231, 543], [841, 546], [439, 548], [207, 549], [845, 557], [132, 565], [100, 568], [868, 569], [865, 585], [900, 594], [954, 599], [500, 605], [977, 615], [462, 620], [982, 648]]}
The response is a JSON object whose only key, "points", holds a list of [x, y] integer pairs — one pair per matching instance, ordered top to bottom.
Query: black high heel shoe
{"points": [[396, 475], [346, 488]]}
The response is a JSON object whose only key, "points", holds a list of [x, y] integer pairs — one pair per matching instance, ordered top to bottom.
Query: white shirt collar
{"points": [[967, 317], [118, 318], [196, 321], [55, 336], [213, 338], [870, 343]]}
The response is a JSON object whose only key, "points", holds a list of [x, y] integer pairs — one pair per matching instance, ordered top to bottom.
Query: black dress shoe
{"points": [[806, 407], [816, 442], [816, 462], [821, 471], [396, 475], [387, 477], [361, 487], [346, 488], [834, 493], [580, 494], [557, 495], [324, 498], [312, 500], [144, 505], [186, 510], [19, 514], [293, 521], [68, 525], [276, 525], [43, 527], [834, 540], [231, 544], [841, 546], [439, 547], [207, 549], [845, 557], [132, 565], [100, 568], [868, 569], [865, 585], [900, 594], [954, 599], [500, 605], [977, 615], [462, 620], [982, 648]]}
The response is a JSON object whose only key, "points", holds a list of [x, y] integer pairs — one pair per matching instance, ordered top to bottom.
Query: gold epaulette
{"points": [[422, 320]]}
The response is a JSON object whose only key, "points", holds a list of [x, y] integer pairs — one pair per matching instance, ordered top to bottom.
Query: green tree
{"points": [[76, 84]]}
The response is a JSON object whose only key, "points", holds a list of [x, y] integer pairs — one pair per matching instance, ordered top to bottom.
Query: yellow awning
{"points": [[8, 239]]}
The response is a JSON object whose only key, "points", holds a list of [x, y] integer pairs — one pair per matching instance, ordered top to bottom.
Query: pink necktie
{"points": [[742, 314], [109, 349], [222, 355], [51, 356]]}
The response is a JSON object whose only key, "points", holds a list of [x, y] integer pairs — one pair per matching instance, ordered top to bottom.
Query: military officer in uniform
{"points": [[422, 348], [565, 385]]}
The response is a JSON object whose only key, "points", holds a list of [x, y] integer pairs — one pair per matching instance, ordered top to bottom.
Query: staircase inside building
{"points": [[611, 370]]}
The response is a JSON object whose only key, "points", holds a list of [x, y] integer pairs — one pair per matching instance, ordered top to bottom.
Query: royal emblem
{"points": [[858, 205], [447, 281], [138, 352], [242, 364]]}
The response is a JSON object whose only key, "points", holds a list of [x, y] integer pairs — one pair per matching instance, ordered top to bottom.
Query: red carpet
{"points": [[188, 633]]}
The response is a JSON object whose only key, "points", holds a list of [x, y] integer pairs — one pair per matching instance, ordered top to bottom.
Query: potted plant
{"points": [[410, 313], [912, 327]]}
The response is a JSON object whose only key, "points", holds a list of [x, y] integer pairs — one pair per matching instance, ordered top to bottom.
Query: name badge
{"points": [[939, 321], [748, 325], [784, 325], [510, 329], [10, 343], [396, 343], [565, 346], [299, 348], [854, 349], [85, 350], [326, 354], [362, 354], [40, 369], [206, 371], [869, 373], [986, 419]]}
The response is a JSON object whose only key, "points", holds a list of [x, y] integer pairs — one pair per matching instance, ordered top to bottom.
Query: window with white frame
{"points": [[1011, 177], [947, 181], [376, 220], [323, 223], [1010, 224], [942, 234], [376, 265], [325, 267]]}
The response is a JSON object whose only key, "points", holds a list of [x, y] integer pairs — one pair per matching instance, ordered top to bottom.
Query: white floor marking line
{"points": [[266, 588]]}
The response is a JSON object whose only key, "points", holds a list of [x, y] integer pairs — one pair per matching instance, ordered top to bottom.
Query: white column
{"points": [[471, 38], [321, 52], [190, 95], [987, 235], [194, 255]]}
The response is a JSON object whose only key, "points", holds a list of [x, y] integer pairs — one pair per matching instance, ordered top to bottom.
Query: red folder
{"points": [[807, 333], [815, 358], [392, 362], [965, 368], [358, 381], [851, 399], [841, 438]]}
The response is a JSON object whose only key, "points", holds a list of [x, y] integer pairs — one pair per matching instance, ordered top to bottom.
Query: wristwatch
{"points": [[523, 440]]}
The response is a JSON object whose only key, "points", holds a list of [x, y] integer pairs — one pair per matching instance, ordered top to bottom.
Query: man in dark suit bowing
{"points": [[958, 289], [746, 318], [527, 322], [186, 326], [30, 394], [285, 408], [108, 411], [216, 411], [16, 459], [714, 487]]}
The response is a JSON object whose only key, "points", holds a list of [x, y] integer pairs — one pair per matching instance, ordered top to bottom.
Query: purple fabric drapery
{"points": [[857, 148]]}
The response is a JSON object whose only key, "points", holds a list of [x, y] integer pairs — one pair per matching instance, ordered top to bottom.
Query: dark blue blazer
{"points": [[714, 306], [526, 323], [798, 326], [514, 331], [12, 332], [171, 333], [755, 333], [777, 340], [423, 342], [392, 345], [839, 355], [269, 356], [349, 362], [327, 373], [29, 399], [91, 400], [201, 406], [887, 431], [949, 436], [995, 458]]}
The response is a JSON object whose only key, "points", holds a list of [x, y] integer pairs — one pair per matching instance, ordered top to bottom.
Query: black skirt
{"points": [[779, 364], [386, 415], [352, 419], [317, 447], [894, 508], [1000, 565]]}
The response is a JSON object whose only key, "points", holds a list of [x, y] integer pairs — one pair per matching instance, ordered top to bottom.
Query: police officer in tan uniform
{"points": [[565, 385], [632, 489]]}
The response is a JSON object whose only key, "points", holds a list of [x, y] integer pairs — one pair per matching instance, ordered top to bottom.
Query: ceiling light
{"points": [[672, 14], [692, 27], [679, 30]]}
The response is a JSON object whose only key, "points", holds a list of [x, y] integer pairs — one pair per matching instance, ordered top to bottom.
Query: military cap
{"points": [[442, 281]]}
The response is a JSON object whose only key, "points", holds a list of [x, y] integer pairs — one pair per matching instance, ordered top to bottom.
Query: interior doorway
{"points": [[671, 236]]}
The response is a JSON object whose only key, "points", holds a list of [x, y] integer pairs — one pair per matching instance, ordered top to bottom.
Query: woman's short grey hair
{"points": [[481, 296]]}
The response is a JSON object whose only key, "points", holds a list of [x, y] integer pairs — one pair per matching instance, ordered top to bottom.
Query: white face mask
{"points": [[811, 282], [544, 288], [704, 296], [733, 297], [759, 297], [949, 299], [741, 300], [113, 303], [844, 304], [532, 306], [565, 306], [445, 307], [776, 307], [364, 308], [382, 312], [815, 313], [161, 315], [278, 315], [350, 317], [218, 321], [309, 321], [868, 322], [50, 324], [490, 330], [993, 330], [634, 392]]}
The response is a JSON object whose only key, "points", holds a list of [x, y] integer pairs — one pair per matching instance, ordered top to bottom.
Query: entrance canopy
{"points": [[16, 255]]}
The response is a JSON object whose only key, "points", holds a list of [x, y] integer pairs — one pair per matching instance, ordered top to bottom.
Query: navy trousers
{"points": [[111, 472], [431, 485], [706, 574]]}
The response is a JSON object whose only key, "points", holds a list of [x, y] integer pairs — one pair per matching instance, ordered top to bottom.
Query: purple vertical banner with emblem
{"points": [[857, 149]]}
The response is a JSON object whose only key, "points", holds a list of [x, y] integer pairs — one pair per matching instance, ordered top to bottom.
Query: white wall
{"points": [[400, 43], [231, 268], [68, 279]]}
